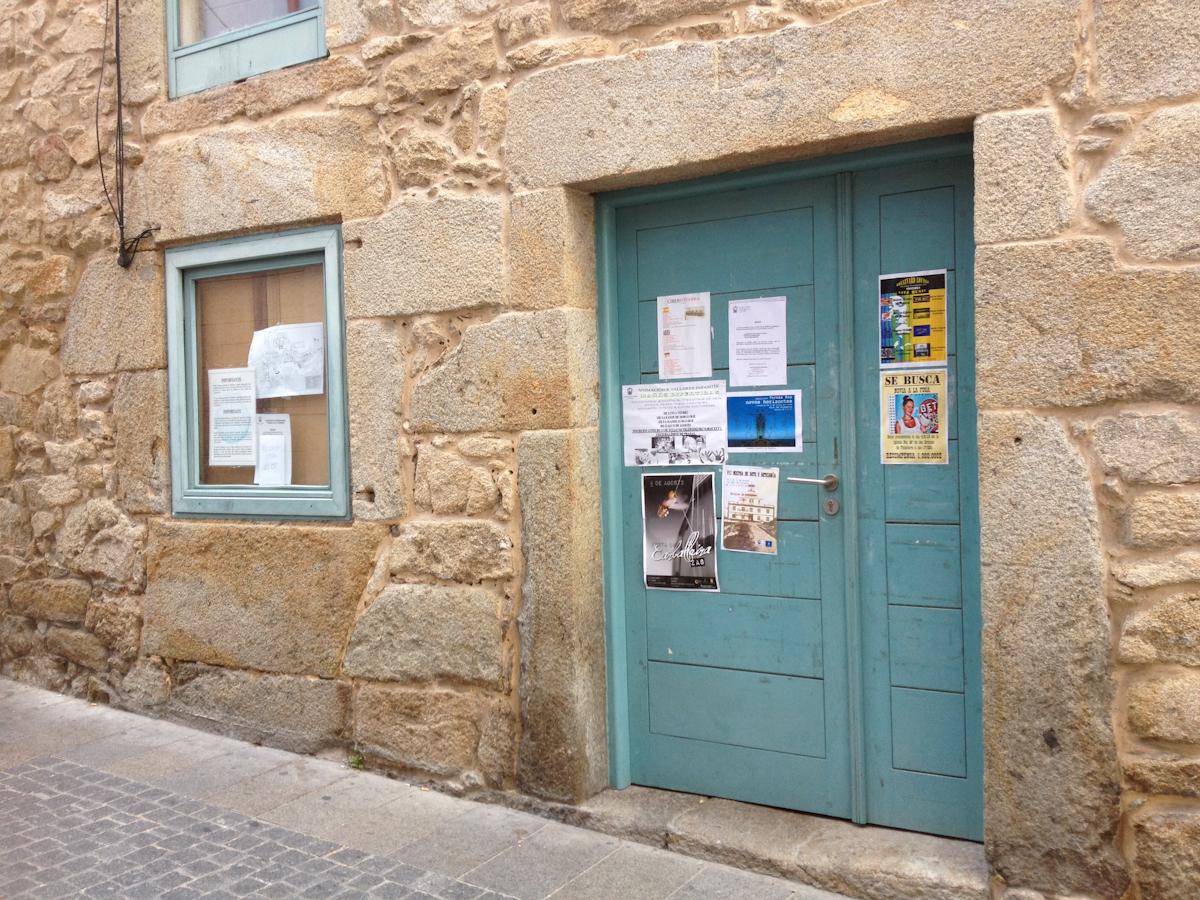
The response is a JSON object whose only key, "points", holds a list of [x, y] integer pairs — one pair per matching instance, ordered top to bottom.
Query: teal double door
{"points": [[840, 676]]}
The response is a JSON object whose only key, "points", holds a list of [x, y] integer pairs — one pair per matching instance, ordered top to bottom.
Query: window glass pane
{"points": [[202, 19], [238, 319]]}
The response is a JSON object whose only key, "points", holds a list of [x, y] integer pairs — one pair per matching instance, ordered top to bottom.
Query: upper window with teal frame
{"points": [[213, 42], [256, 374]]}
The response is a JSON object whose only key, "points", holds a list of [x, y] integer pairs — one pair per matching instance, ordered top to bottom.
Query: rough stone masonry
{"points": [[455, 629]]}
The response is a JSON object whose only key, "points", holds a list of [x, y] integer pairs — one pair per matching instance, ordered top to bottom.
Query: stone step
{"points": [[866, 862]]}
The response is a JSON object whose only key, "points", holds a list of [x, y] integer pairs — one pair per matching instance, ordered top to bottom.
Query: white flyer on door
{"points": [[684, 336], [758, 342], [289, 360], [231, 417], [680, 424], [274, 465], [749, 502]]}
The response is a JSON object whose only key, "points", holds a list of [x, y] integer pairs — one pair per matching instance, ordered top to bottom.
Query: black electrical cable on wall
{"points": [[126, 247]]}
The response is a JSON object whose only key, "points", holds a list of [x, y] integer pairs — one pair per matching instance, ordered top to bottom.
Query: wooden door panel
{"points": [[916, 227], [669, 264], [922, 493], [924, 564], [794, 572], [779, 635], [925, 648], [743, 709], [928, 732], [795, 781]]}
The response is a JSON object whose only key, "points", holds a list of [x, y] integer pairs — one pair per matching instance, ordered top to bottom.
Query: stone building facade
{"points": [[455, 628]]}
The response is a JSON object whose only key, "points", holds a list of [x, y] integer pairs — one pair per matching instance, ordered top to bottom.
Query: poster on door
{"points": [[912, 319], [685, 336], [758, 342], [913, 418], [768, 422], [679, 424], [749, 500], [679, 531]]}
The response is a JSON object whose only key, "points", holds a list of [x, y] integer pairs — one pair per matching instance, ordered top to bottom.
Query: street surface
{"points": [[99, 803]]}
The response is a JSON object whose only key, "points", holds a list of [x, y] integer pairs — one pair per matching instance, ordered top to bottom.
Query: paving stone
{"points": [[124, 743], [165, 759], [218, 773], [278, 786], [341, 813], [644, 813], [464, 842], [544, 862], [633, 872], [723, 883], [436, 884], [275, 890], [389, 890]]}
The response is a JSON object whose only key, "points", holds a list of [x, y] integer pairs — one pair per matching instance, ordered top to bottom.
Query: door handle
{"points": [[829, 482]]}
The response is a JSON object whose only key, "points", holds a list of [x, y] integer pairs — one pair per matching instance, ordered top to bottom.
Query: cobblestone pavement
{"points": [[98, 803]]}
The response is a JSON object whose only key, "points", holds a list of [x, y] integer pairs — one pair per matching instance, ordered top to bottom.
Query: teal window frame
{"points": [[287, 41], [182, 267]]}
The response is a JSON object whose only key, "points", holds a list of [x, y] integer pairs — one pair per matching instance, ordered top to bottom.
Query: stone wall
{"points": [[1087, 259], [455, 630], [398, 636]]}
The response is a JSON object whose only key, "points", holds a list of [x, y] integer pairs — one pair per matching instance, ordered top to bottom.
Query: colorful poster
{"points": [[912, 319], [684, 336], [758, 342], [913, 421], [768, 422], [674, 424], [749, 500], [679, 531]]}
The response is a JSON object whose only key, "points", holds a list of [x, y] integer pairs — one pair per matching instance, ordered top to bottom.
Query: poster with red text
{"points": [[913, 418]]}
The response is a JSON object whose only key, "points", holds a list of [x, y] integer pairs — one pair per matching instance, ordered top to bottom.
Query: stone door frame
{"points": [[881, 74], [1027, 840]]}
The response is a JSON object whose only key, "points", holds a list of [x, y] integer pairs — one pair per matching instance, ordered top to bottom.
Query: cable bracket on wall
{"points": [[126, 246]]}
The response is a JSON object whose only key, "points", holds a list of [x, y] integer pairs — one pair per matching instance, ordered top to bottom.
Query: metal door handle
{"points": [[829, 482]]}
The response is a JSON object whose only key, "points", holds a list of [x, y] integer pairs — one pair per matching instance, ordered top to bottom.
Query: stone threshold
{"points": [[862, 861]]}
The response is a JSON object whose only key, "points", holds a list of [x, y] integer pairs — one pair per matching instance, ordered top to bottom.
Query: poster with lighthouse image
{"points": [[679, 531]]}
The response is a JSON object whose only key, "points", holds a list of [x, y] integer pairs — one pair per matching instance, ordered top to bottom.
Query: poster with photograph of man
{"points": [[679, 531]]}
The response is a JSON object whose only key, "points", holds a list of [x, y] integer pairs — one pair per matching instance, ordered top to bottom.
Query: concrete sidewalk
{"points": [[99, 803]]}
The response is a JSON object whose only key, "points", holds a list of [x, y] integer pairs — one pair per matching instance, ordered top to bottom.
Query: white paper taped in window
{"points": [[289, 360], [231, 435], [274, 465]]}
